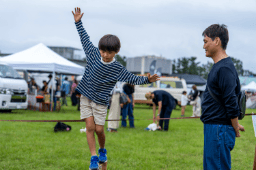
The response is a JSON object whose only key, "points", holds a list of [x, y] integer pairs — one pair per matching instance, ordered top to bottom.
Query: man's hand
{"points": [[77, 14], [153, 78], [158, 118], [154, 119], [240, 128]]}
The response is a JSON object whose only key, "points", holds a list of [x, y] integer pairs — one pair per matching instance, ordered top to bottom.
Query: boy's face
{"points": [[107, 56]]}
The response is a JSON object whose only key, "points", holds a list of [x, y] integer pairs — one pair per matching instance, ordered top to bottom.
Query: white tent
{"points": [[42, 59], [250, 87]]}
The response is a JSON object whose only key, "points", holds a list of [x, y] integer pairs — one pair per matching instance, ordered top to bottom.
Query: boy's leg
{"points": [[182, 110], [100, 113], [87, 115], [124, 115], [130, 115], [90, 129], [101, 135]]}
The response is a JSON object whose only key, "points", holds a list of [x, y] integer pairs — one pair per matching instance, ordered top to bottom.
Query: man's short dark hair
{"points": [[217, 30], [110, 43], [50, 75], [66, 78], [44, 81], [184, 92]]}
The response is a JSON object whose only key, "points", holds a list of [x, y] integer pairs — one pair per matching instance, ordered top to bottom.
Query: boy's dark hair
{"points": [[217, 30], [110, 43], [66, 78], [44, 81], [184, 92]]}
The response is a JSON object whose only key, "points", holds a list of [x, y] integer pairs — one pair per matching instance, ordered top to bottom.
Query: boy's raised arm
{"points": [[85, 39], [126, 76]]}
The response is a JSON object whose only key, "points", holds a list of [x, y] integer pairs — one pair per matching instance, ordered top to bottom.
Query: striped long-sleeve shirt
{"points": [[99, 77]]}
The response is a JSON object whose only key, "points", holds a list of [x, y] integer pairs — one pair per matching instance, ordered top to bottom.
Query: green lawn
{"points": [[35, 145]]}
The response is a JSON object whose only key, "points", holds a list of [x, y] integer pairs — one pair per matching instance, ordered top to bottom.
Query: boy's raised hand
{"points": [[77, 14], [153, 78]]}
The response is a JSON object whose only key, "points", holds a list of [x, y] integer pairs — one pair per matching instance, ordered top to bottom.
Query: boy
{"points": [[101, 74], [184, 101]]}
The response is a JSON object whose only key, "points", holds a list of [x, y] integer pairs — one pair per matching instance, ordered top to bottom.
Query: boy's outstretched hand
{"points": [[77, 14], [153, 78]]}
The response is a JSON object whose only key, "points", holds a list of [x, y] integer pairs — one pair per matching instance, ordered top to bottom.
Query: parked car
{"points": [[175, 86], [13, 89]]}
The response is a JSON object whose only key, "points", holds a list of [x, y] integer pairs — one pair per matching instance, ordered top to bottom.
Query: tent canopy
{"points": [[40, 58], [250, 87]]}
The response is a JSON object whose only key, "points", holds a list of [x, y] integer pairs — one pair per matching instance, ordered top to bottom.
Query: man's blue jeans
{"points": [[128, 110], [165, 113], [219, 140]]}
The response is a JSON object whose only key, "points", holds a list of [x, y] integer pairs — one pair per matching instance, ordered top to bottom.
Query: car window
{"points": [[8, 72], [171, 84], [152, 85]]}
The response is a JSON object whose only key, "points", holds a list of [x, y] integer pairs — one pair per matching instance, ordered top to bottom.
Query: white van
{"points": [[174, 85], [13, 89]]}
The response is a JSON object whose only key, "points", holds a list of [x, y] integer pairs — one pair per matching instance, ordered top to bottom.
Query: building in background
{"points": [[70, 53], [144, 64]]}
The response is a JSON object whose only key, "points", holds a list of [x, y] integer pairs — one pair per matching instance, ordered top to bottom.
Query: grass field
{"points": [[25, 146]]}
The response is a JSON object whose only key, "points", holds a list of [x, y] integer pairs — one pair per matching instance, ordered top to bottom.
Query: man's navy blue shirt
{"points": [[224, 83], [166, 98]]}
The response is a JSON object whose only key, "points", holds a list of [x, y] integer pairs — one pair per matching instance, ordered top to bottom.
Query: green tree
{"points": [[121, 60], [238, 65], [206, 69]]}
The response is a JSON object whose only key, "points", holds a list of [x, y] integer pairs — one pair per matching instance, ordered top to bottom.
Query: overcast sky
{"points": [[171, 28]]}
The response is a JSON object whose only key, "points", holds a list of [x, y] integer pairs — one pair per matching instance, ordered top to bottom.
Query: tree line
{"points": [[190, 65]]}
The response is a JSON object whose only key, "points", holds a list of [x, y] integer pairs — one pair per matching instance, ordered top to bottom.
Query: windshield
{"points": [[8, 72]]}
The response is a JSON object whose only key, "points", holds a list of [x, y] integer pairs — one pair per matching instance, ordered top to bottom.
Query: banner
{"points": [[152, 67], [159, 71]]}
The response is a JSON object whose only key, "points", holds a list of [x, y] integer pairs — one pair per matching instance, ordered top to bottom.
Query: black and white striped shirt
{"points": [[99, 77]]}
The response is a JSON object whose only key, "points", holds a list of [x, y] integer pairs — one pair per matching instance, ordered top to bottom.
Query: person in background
{"points": [[52, 84], [32, 86], [65, 87], [44, 88], [73, 93], [195, 93], [184, 101], [194, 102], [166, 103], [196, 107], [115, 108], [127, 109]]}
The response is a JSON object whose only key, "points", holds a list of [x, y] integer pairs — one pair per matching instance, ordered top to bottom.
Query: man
{"points": [[165, 103], [220, 120]]}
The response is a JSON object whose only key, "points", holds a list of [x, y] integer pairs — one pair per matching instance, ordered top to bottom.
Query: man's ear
{"points": [[217, 41]]}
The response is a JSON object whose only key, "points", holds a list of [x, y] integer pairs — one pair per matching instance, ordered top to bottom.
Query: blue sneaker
{"points": [[102, 155], [94, 163]]}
